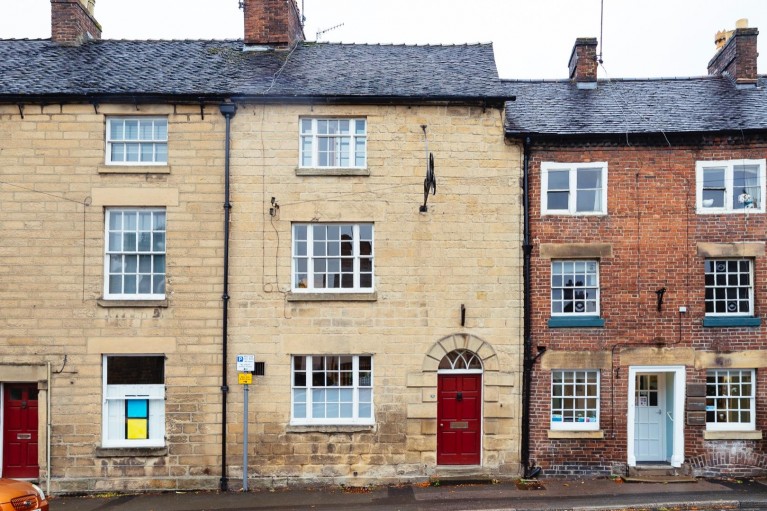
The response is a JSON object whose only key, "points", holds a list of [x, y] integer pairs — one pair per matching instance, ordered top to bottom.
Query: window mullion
{"points": [[729, 188], [572, 199], [356, 256]]}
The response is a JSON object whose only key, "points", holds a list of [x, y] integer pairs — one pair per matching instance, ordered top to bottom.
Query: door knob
{"points": [[441, 425]]}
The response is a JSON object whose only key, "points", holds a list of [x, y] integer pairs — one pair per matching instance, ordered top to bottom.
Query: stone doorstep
{"points": [[660, 473], [463, 474]]}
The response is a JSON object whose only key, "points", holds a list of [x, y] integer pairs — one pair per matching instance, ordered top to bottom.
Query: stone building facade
{"points": [[157, 225]]}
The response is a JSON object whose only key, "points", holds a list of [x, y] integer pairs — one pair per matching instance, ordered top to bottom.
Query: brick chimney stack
{"points": [[72, 22], [274, 23], [737, 58], [583, 63]]}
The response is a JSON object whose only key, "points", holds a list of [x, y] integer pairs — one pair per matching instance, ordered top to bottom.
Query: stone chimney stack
{"points": [[72, 22], [272, 23], [737, 56], [583, 63]]}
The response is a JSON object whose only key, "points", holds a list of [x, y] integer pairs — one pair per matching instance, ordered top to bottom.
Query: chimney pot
{"points": [[72, 22], [274, 23], [583, 63]]}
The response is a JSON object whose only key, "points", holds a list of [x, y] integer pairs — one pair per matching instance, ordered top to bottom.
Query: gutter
{"points": [[198, 99], [228, 110]]}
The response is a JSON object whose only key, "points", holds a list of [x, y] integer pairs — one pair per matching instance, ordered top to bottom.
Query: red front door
{"points": [[459, 425], [20, 431]]}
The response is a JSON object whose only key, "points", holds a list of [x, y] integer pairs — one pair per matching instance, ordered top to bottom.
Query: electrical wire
{"points": [[627, 105]]}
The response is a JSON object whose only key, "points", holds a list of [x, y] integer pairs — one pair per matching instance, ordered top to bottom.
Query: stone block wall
{"points": [[464, 250]]}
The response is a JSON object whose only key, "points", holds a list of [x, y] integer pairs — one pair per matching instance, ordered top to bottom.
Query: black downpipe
{"points": [[227, 110], [528, 359]]}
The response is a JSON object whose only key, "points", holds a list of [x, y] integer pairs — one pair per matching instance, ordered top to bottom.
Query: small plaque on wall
{"points": [[696, 390], [696, 404], [696, 418]]}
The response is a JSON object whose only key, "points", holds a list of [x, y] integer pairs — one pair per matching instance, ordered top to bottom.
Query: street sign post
{"points": [[246, 364]]}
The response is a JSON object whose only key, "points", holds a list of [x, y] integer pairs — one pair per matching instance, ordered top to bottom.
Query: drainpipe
{"points": [[228, 110], [528, 359], [48, 430]]}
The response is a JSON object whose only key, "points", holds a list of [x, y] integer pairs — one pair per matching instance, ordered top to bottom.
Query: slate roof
{"points": [[221, 68], [673, 105]]}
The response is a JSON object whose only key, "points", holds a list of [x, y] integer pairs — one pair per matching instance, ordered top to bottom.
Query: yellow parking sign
{"points": [[245, 378]]}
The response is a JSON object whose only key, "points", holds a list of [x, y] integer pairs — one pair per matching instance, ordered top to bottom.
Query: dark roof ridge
{"points": [[429, 45], [611, 80]]}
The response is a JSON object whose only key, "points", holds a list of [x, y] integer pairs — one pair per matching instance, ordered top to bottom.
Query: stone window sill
{"points": [[134, 169], [333, 172], [332, 297], [132, 303], [738, 321], [576, 322], [351, 428], [576, 435], [732, 435], [131, 452]]}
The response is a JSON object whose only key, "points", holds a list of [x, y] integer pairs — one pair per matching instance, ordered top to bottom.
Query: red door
{"points": [[459, 412], [20, 431]]}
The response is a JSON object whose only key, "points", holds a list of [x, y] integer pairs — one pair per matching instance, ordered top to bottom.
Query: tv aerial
{"points": [[320, 33]]}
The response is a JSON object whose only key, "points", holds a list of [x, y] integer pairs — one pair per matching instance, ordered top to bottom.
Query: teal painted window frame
{"points": [[735, 321], [576, 322]]}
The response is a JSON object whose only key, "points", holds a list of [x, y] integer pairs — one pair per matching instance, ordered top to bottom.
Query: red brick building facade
{"points": [[647, 271]]}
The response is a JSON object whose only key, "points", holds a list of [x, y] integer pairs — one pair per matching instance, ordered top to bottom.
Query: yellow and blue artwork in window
{"points": [[136, 419]]}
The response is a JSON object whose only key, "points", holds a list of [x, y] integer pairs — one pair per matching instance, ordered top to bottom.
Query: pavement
{"points": [[554, 494]]}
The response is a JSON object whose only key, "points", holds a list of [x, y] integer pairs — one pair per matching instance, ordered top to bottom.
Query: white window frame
{"points": [[158, 139], [309, 146], [728, 166], [572, 201], [300, 245], [152, 253], [583, 287], [751, 312], [356, 386], [114, 416], [561, 425], [731, 426]]}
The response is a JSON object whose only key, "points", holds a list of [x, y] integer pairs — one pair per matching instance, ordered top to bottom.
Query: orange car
{"points": [[21, 496]]}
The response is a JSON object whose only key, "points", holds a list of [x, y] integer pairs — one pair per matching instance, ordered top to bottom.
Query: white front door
{"points": [[650, 417]]}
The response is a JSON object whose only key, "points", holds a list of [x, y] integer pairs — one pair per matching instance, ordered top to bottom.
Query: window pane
{"points": [[161, 129], [116, 131], [559, 180], [713, 198], [558, 200], [589, 200], [139, 370]]}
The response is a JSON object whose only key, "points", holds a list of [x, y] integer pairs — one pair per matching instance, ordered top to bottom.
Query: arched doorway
{"points": [[459, 408]]}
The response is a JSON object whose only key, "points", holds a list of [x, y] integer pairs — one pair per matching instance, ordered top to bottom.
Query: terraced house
{"points": [[168, 206], [645, 237]]}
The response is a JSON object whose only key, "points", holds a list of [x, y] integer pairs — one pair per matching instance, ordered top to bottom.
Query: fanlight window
{"points": [[461, 360]]}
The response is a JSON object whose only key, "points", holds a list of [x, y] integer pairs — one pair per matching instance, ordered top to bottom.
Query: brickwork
{"points": [[72, 22], [272, 22], [738, 57], [583, 60], [654, 234], [463, 251]]}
